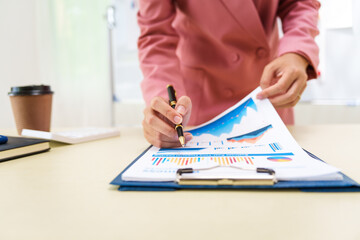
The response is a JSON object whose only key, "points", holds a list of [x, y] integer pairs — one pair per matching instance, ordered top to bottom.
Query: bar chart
{"points": [[186, 161]]}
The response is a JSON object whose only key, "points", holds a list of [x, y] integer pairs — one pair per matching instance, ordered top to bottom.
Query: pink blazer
{"points": [[214, 51]]}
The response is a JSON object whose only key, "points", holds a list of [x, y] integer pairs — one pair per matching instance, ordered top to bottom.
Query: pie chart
{"points": [[279, 159]]}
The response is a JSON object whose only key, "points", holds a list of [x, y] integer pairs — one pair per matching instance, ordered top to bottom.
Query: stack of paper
{"points": [[247, 136]]}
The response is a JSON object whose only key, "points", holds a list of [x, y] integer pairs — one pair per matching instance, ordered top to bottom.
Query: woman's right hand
{"points": [[160, 120]]}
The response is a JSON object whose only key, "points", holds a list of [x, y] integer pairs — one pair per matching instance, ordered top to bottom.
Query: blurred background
{"points": [[86, 51]]}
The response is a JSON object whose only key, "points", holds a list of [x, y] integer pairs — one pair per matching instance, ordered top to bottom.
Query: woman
{"points": [[215, 52]]}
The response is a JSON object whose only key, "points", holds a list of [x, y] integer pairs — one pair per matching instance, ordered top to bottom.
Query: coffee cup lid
{"points": [[30, 90]]}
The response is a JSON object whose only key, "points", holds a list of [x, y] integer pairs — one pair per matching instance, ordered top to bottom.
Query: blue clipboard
{"points": [[346, 185]]}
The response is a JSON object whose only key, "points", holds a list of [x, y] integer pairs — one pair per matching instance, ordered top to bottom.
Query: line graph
{"points": [[225, 124], [251, 137]]}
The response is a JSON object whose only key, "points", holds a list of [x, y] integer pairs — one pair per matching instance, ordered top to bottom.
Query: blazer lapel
{"points": [[247, 16]]}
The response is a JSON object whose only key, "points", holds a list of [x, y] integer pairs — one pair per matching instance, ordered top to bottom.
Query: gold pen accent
{"points": [[172, 102], [180, 132], [182, 141]]}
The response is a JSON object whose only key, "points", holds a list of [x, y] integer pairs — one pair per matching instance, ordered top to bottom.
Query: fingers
{"points": [[270, 72], [266, 77], [284, 80], [281, 87], [303, 88], [291, 96], [295, 101], [291, 104], [159, 105], [184, 106], [152, 120], [159, 121], [155, 134], [158, 139], [162, 141]]}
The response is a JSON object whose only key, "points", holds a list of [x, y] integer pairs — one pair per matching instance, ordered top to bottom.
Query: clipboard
{"points": [[264, 176], [345, 185]]}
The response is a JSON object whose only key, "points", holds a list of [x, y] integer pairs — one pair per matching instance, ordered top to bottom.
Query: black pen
{"points": [[172, 102]]}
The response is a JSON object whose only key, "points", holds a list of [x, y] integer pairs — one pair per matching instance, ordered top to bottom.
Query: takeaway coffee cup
{"points": [[31, 107]]}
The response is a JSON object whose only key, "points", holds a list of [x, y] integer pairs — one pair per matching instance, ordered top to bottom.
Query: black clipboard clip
{"points": [[268, 179]]}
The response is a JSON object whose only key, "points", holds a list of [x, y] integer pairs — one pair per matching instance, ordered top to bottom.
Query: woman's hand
{"points": [[284, 80], [160, 119]]}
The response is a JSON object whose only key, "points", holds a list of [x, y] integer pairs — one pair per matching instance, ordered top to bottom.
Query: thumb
{"points": [[270, 74], [184, 106]]}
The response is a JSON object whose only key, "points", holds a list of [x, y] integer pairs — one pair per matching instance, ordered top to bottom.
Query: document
{"points": [[247, 136]]}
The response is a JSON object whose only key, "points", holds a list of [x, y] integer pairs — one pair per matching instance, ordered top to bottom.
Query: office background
{"points": [[94, 70]]}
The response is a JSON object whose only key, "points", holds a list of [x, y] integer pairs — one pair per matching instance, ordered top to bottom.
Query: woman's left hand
{"points": [[284, 80]]}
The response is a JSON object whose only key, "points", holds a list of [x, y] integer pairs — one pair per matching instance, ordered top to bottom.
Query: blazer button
{"points": [[261, 52], [235, 57], [228, 92]]}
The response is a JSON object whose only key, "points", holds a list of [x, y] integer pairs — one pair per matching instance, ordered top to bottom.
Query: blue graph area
{"points": [[226, 123], [253, 134]]}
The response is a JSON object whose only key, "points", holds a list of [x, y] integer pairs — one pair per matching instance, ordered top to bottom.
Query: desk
{"points": [[65, 194]]}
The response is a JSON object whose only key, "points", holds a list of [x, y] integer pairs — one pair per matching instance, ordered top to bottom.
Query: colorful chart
{"points": [[225, 124], [251, 137], [275, 146], [162, 150], [279, 159], [178, 160], [184, 161]]}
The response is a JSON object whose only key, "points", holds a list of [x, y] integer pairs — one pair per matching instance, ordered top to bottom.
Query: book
{"points": [[17, 147]]}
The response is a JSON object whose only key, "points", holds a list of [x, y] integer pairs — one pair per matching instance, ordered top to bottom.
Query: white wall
{"points": [[63, 44], [18, 52], [73, 53], [31, 54], [307, 113]]}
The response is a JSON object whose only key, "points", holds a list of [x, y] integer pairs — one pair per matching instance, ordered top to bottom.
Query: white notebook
{"points": [[73, 136]]}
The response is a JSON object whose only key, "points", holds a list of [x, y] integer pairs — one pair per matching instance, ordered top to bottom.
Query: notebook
{"points": [[73, 136], [17, 147]]}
